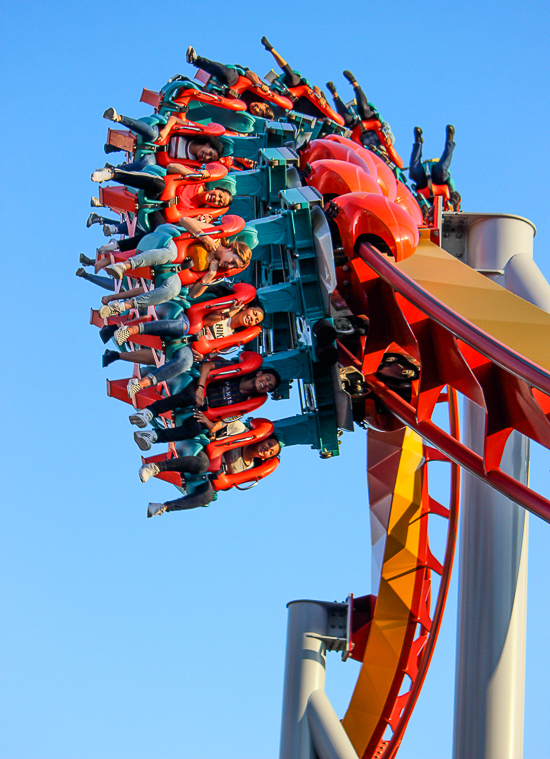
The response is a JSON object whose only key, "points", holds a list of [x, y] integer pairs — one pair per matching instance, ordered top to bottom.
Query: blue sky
{"points": [[132, 638]]}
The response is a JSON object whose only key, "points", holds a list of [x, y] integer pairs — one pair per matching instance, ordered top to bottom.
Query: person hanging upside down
{"points": [[229, 76], [290, 77], [365, 112], [204, 148], [439, 173], [227, 257], [219, 323], [219, 393], [235, 460]]}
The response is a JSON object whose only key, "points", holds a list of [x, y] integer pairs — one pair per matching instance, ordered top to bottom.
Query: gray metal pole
{"points": [[490, 667], [304, 674], [329, 738]]}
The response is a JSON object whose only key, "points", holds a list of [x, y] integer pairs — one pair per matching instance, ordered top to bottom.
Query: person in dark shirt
{"points": [[228, 75], [219, 393]]}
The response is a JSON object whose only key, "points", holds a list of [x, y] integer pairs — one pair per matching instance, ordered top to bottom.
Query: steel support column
{"points": [[490, 667]]}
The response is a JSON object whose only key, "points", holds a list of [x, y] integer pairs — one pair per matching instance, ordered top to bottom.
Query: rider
{"points": [[228, 75]]}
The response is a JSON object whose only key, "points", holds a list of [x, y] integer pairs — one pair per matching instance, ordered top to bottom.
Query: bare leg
{"points": [[128, 294], [142, 356]]}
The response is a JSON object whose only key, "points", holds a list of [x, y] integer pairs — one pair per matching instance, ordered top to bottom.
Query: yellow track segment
{"points": [[503, 315], [400, 581]]}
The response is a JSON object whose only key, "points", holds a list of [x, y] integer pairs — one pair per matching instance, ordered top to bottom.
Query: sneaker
{"points": [[265, 42], [190, 55], [349, 76], [331, 88], [111, 114], [450, 132], [418, 135], [111, 148], [102, 175], [96, 202], [93, 218], [109, 230], [108, 247], [85, 261], [117, 271], [80, 272], [115, 308], [106, 333], [121, 335], [108, 357], [133, 387], [141, 418], [144, 440], [147, 471], [155, 509]]}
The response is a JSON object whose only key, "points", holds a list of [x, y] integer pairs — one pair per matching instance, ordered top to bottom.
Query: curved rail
{"points": [[399, 639]]}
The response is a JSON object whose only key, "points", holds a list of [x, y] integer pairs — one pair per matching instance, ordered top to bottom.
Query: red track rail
{"points": [[485, 361]]}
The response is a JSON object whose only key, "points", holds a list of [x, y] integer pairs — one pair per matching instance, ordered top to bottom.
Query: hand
{"points": [[264, 87], [204, 174], [205, 218], [210, 244], [106, 300], [237, 303], [198, 357], [199, 396], [200, 416]]}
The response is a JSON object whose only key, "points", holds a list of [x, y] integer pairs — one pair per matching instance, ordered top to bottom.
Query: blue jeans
{"points": [[149, 132], [146, 160], [439, 171], [155, 257], [170, 288], [173, 328], [182, 362]]}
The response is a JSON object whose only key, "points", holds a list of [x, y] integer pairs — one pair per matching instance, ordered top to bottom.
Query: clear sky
{"points": [[128, 638]]}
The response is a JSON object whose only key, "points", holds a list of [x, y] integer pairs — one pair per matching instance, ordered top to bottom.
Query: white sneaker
{"points": [[190, 55], [102, 175], [96, 202], [109, 229], [108, 247], [116, 271], [113, 309], [121, 335], [133, 387], [141, 418], [145, 439], [147, 471], [156, 509]]}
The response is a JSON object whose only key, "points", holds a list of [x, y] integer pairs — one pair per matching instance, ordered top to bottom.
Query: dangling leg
{"points": [[223, 74], [291, 78], [364, 108], [345, 113], [149, 132], [416, 170], [440, 170], [104, 282], [202, 496]]}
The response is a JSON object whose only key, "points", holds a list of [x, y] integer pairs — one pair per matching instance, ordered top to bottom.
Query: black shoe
{"points": [[268, 46], [349, 76], [331, 88], [450, 131], [418, 135], [111, 149], [85, 261], [187, 263], [81, 273], [107, 332], [108, 357]]}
